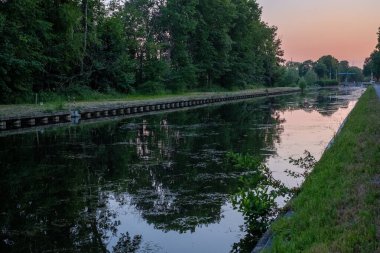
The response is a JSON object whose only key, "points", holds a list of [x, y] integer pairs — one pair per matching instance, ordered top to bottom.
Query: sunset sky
{"points": [[309, 29]]}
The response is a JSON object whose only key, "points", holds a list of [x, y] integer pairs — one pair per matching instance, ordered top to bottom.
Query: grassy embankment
{"points": [[81, 93], [338, 207]]}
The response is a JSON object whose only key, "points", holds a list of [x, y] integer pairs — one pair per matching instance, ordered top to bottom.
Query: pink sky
{"points": [[309, 29]]}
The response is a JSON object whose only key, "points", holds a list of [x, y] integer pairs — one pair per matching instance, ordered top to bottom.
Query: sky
{"points": [[309, 29]]}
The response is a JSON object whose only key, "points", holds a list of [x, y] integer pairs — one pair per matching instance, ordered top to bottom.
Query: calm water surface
{"points": [[155, 183]]}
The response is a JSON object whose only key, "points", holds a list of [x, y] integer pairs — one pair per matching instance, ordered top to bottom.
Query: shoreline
{"points": [[21, 119], [290, 233]]}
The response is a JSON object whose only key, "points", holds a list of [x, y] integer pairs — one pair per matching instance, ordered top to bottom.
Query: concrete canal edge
{"points": [[107, 110], [266, 240]]}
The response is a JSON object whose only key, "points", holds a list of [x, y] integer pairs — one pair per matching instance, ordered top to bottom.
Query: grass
{"points": [[79, 93], [337, 209]]}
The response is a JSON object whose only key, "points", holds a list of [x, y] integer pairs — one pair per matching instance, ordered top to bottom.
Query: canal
{"points": [[157, 183]]}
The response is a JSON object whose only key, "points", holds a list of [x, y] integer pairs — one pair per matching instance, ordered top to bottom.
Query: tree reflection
{"points": [[56, 186], [256, 198], [126, 244]]}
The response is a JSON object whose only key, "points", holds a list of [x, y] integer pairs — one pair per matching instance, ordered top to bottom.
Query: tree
{"points": [[179, 20], [23, 33], [85, 33], [145, 40], [378, 40], [212, 44], [64, 46], [256, 52], [272, 57], [293, 64], [331, 64], [372, 64], [112, 66], [305, 67], [343, 68], [320, 69], [357, 74], [290, 77], [311, 77], [302, 84]]}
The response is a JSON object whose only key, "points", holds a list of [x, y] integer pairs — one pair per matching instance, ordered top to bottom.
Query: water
{"points": [[155, 183]]}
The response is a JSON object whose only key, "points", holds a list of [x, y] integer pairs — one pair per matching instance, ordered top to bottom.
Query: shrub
{"points": [[311, 77], [302, 84], [151, 87]]}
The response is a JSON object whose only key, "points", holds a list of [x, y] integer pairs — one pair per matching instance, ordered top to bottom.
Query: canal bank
{"points": [[17, 117], [158, 180], [337, 209]]}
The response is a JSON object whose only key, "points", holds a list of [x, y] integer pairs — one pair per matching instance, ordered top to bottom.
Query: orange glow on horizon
{"points": [[310, 29]]}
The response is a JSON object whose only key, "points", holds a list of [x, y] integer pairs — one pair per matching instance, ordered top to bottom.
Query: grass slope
{"points": [[337, 209]]}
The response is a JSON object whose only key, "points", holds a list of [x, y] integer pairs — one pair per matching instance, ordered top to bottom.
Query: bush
{"points": [[290, 77], [311, 77], [302, 84], [151, 88]]}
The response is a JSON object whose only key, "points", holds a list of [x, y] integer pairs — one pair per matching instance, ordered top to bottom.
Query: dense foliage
{"points": [[145, 45], [372, 63], [256, 199]]}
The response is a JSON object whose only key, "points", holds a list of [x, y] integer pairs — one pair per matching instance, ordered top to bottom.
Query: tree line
{"points": [[135, 45], [372, 63], [327, 70]]}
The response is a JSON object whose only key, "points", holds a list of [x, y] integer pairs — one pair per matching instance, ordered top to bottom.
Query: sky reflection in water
{"points": [[155, 183]]}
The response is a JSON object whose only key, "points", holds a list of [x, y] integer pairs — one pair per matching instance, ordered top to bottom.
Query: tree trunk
{"points": [[85, 5]]}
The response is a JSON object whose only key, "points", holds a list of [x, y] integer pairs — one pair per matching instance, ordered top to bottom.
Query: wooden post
{"points": [[44, 120], [31, 122], [17, 123]]}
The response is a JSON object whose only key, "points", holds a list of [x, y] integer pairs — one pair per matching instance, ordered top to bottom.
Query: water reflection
{"points": [[152, 184]]}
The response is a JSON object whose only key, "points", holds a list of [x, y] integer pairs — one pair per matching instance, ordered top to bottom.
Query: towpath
{"points": [[377, 88]]}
